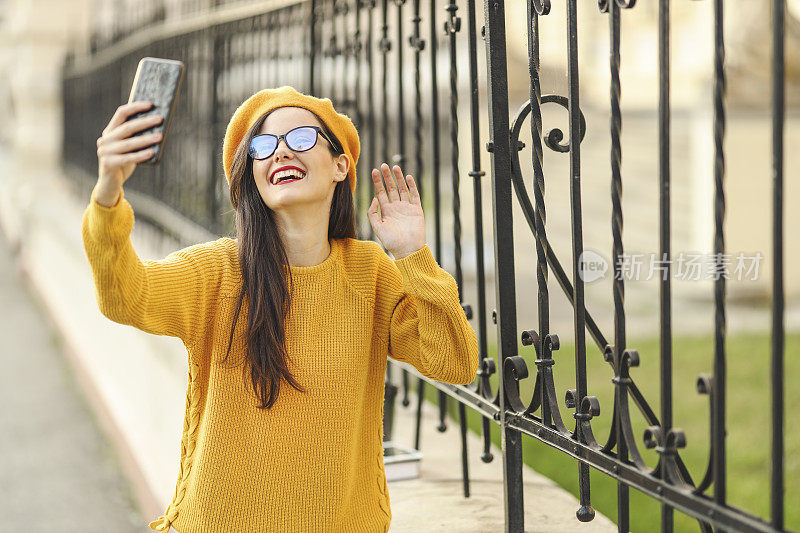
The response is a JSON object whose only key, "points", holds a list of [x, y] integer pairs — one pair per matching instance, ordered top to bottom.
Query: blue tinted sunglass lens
{"points": [[301, 139], [262, 146]]}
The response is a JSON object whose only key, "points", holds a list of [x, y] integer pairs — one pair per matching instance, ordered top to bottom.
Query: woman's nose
{"points": [[282, 151]]}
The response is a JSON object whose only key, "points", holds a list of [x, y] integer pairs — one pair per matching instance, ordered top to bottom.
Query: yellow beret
{"points": [[267, 99]]}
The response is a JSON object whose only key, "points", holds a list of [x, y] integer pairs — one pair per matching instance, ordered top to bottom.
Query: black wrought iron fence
{"points": [[390, 65]]}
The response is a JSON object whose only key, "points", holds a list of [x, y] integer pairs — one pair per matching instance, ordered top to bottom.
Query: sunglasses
{"points": [[300, 139]]}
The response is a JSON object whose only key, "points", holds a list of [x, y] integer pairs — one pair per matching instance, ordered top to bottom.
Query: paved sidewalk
{"points": [[58, 471]]}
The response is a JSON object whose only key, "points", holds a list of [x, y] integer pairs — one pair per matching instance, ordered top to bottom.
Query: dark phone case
{"points": [[159, 81]]}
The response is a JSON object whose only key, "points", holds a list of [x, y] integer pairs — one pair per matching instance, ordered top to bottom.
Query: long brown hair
{"points": [[261, 258]]}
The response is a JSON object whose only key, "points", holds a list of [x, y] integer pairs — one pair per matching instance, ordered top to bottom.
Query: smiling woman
{"points": [[297, 155], [283, 226], [322, 312]]}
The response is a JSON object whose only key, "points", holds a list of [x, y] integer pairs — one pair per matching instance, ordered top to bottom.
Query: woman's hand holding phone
{"points": [[118, 152]]}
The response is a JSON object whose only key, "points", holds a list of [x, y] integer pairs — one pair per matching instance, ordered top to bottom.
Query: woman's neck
{"points": [[304, 233], [307, 252]]}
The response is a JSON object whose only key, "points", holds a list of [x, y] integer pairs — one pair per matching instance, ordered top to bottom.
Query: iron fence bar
{"points": [[452, 27], [339, 33], [417, 44], [274, 46], [385, 46], [312, 48], [345, 51], [331, 52], [227, 53], [250, 55], [216, 68], [497, 82], [323, 86], [401, 134], [435, 144], [371, 149], [400, 157], [477, 177], [435, 182], [362, 185], [540, 215], [665, 297], [617, 352], [777, 367], [718, 396], [441, 397], [585, 513]]}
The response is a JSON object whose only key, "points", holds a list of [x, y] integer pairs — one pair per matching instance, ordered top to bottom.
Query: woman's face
{"points": [[320, 169]]}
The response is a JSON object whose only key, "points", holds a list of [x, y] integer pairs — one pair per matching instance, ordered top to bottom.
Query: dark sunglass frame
{"points": [[251, 150]]}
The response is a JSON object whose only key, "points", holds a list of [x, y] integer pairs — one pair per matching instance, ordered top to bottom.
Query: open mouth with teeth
{"points": [[287, 176]]}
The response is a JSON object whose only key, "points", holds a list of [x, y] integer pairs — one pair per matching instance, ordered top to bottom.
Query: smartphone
{"points": [[159, 81]]}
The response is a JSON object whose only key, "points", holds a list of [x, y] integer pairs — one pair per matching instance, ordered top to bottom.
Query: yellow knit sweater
{"points": [[314, 461]]}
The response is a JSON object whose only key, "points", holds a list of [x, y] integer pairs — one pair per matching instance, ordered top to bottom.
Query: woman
{"points": [[295, 298]]}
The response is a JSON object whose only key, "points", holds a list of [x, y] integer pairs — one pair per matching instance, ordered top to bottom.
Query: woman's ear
{"points": [[342, 163]]}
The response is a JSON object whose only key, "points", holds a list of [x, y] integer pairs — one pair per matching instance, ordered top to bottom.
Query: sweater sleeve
{"points": [[173, 296], [428, 328]]}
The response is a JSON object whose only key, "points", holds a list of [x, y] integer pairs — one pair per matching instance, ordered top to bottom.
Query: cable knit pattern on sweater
{"points": [[314, 461]]}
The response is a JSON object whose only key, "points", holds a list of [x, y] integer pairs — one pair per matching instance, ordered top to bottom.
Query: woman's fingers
{"points": [[124, 111], [127, 129], [127, 145], [133, 157], [108, 165], [401, 183], [391, 186], [398, 188], [412, 190], [380, 192]]}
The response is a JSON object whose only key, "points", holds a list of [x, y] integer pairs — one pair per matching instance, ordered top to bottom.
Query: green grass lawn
{"points": [[748, 423]]}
